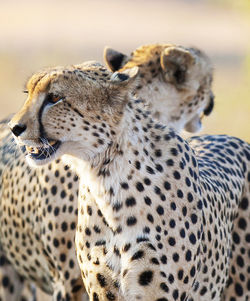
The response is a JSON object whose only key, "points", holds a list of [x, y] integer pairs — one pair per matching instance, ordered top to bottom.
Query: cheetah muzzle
{"points": [[44, 152]]}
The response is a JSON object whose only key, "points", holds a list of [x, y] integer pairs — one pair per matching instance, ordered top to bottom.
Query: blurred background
{"points": [[36, 34]]}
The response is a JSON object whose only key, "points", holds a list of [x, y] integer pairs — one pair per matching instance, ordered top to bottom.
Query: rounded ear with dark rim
{"points": [[115, 60], [175, 62], [125, 77], [121, 84], [207, 111]]}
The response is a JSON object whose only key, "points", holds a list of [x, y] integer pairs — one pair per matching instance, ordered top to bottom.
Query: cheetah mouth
{"points": [[44, 152]]}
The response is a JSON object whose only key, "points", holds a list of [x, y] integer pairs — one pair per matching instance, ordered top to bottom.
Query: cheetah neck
{"points": [[137, 155]]}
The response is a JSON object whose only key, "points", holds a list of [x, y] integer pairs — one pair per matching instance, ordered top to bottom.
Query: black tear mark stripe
{"points": [[40, 112]]}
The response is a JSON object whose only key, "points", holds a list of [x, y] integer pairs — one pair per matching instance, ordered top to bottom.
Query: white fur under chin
{"points": [[37, 163], [76, 165]]}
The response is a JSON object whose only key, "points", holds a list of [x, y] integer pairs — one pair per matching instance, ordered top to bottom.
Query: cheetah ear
{"points": [[115, 60], [175, 62], [125, 77], [121, 84], [207, 111], [194, 125]]}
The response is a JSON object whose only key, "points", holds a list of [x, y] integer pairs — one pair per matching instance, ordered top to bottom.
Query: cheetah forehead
{"points": [[145, 54], [91, 70]]}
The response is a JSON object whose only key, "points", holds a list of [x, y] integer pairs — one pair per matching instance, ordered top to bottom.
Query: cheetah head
{"points": [[175, 81], [71, 110]]}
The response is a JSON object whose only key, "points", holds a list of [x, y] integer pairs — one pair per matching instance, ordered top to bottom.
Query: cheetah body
{"points": [[39, 206], [155, 213]]}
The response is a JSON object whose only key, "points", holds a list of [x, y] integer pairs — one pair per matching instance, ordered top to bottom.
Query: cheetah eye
{"points": [[26, 91], [52, 98]]}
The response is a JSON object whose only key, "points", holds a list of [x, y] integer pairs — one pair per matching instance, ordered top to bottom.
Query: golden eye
{"points": [[52, 98], [56, 98]]}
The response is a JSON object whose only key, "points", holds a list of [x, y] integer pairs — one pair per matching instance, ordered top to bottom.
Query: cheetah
{"points": [[174, 64], [41, 204], [155, 212], [11, 284]]}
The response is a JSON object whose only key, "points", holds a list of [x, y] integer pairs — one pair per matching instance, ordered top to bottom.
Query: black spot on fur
{"points": [[145, 278], [101, 279]]}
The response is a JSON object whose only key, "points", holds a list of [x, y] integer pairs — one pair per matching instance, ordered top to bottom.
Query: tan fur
{"points": [[45, 199], [155, 212]]}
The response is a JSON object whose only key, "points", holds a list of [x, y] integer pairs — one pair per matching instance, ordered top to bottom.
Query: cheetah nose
{"points": [[17, 129]]}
